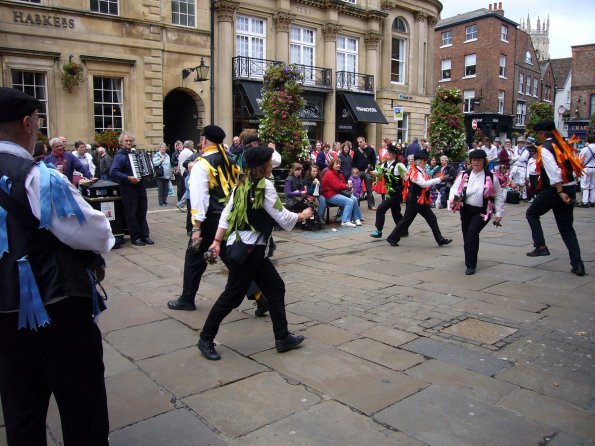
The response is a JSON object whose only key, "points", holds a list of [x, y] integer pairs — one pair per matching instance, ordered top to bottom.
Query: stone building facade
{"points": [[361, 59], [582, 90]]}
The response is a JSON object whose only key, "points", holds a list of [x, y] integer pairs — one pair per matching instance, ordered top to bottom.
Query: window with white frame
{"points": [[350, 1], [105, 6], [183, 12], [399, 25], [470, 33], [504, 33], [447, 38], [251, 42], [302, 49], [347, 58], [528, 58], [397, 62], [470, 64], [503, 65], [445, 69], [521, 83], [34, 84], [535, 87], [528, 89], [501, 101], [108, 102], [468, 103], [592, 104], [521, 113], [403, 128]]}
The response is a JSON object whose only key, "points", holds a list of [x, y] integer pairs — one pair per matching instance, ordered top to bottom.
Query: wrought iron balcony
{"points": [[251, 68], [316, 77], [348, 80]]}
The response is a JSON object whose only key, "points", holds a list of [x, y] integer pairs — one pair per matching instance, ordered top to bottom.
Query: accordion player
{"points": [[142, 165]]}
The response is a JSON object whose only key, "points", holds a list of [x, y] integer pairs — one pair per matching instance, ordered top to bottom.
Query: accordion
{"points": [[142, 165]]}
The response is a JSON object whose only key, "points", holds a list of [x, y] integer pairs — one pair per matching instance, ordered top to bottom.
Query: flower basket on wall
{"points": [[72, 75], [281, 102], [447, 128], [108, 139]]}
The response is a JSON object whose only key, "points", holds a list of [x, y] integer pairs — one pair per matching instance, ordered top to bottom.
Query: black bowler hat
{"points": [[15, 105], [545, 125], [214, 134], [250, 139], [392, 149], [478, 154], [257, 156], [420, 156]]}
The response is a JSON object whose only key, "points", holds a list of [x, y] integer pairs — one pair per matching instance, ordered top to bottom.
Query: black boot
{"points": [[179, 304], [262, 306]]}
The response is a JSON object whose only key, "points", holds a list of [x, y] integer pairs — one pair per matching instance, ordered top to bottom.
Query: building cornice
{"points": [[345, 8], [226, 9], [283, 20], [330, 31], [372, 40], [28, 52], [112, 60]]}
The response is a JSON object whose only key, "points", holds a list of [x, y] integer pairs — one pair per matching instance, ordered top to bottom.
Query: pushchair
{"points": [[315, 223]]}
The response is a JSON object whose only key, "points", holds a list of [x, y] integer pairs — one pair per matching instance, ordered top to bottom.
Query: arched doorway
{"points": [[183, 116]]}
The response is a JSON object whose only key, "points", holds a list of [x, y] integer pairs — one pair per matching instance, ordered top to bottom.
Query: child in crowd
{"points": [[356, 183]]}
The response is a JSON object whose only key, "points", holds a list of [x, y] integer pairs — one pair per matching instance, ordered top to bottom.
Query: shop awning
{"points": [[253, 91], [364, 107]]}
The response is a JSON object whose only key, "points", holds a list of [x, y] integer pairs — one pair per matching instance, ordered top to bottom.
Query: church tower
{"points": [[540, 36]]}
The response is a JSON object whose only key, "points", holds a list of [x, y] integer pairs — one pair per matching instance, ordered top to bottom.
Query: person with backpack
{"points": [[477, 196]]}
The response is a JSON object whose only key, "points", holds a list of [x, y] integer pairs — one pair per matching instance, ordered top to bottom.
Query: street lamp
{"points": [[202, 72]]}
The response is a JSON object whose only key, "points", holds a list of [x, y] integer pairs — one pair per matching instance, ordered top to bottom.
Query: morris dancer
{"points": [[416, 193], [477, 196]]}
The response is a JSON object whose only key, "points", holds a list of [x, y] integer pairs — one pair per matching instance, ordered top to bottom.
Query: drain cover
{"points": [[480, 331]]}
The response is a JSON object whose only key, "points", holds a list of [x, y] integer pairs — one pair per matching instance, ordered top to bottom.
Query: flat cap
{"points": [[15, 105], [545, 125], [214, 133], [250, 139], [521, 139], [392, 149], [478, 154], [421, 155], [257, 156]]}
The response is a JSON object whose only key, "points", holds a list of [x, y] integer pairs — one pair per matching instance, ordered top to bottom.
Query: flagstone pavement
{"points": [[401, 347]]}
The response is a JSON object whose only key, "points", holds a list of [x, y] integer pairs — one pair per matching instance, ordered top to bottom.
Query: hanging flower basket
{"points": [[71, 76]]}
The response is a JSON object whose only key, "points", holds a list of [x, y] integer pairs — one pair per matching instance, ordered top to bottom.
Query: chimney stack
{"points": [[490, 6], [498, 8]]}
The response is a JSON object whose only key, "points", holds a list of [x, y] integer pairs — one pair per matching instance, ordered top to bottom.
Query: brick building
{"points": [[494, 64], [582, 90]]}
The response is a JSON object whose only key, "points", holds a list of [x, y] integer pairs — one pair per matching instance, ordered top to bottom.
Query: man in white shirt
{"points": [[491, 151], [587, 157]]}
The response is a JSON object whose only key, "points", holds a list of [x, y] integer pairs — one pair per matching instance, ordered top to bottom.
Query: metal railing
{"points": [[251, 67], [317, 77], [348, 80]]}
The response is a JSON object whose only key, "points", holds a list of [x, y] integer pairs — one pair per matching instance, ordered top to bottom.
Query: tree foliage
{"points": [[281, 102], [538, 111], [447, 128]]}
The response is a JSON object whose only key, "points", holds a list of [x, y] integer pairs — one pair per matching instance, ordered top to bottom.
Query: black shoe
{"points": [[405, 235], [148, 241], [444, 241], [137, 242], [392, 242], [538, 252], [579, 270], [470, 271], [179, 304], [262, 306], [288, 342], [207, 348]]}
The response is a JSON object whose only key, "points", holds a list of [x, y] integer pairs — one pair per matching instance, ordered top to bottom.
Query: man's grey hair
{"points": [[126, 133], [55, 140], [415, 140], [188, 143], [100, 150], [444, 158]]}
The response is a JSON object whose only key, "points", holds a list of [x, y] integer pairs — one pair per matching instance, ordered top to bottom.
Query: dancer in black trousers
{"points": [[393, 173], [557, 190], [477, 196], [417, 197], [247, 221]]}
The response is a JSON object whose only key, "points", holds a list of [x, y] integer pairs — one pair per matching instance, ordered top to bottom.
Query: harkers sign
{"points": [[42, 20], [367, 109]]}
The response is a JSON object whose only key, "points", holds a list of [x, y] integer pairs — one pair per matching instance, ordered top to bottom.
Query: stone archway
{"points": [[183, 116]]}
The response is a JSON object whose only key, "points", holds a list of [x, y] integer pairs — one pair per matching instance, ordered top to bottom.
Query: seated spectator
{"points": [[81, 153], [65, 162], [432, 167], [313, 185], [295, 190], [336, 191]]}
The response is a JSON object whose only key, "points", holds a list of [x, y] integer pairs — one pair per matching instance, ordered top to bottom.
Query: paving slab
{"points": [[515, 273], [476, 282], [544, 294], [480, 308], [127, 311], [314, 312], [353, 324], [480, 331], [328, 334], [249, 336], [390, 336], [156, 338], [382, 354], [457, 356], [114, 361], [186, 372], [533, 378], [359, 383], [471, 384], [133, 397], [244, 406], [552, 412], [438, 416], [326, 424], [179, 427], [566, 439]]}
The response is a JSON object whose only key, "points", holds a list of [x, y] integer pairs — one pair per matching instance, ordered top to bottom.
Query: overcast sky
{"points": [[571, 21]]}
